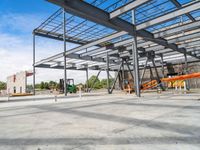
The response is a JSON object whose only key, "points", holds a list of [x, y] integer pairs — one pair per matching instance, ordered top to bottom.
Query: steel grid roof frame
{"points": [[112, 24]]}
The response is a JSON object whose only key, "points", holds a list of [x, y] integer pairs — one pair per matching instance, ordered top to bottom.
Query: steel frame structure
{"points": [[109, 32]]}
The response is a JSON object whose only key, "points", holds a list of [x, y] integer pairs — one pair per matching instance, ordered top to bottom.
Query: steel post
{"points": [[64, 46], [135, 58], [162, 63], [33, 64], [129, 69], [107, 70], [186, 71], [157, 75], [142, 76], [87, 84]]}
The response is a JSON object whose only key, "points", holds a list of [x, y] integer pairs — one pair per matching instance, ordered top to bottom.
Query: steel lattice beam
{"points": [[178, 5], [126, 8], [87, 11], [169, 16], [175, 30]]}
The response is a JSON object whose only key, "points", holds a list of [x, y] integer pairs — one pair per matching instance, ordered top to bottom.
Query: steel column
{"points": [[64, 46], [135, 58], [33, 64], [129, 69], [107, 70], [163, 70], [186, 71], [123, 74], [157, 75], [142, 76], [87, 84]]}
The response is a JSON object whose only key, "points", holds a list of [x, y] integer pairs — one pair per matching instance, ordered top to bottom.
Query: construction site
{"points": [[150, 52]]}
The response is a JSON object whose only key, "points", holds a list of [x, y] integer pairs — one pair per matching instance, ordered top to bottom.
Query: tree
{"points": [[104, 82], [97, 84], [2, 85], [42, 85], [53, 85], [46, 86]]}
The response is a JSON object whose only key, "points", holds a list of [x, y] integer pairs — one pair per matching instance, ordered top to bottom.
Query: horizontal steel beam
{"points": [[178, 5], [127, 7], [87, 11], [169, 16], [179, 29], [56, 36], [185, 37], [105, 39], [189, 44], [78, 57]]}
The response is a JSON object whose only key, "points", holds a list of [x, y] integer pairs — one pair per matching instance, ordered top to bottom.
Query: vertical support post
{"points": [[64, 46], [135, 58], [162, 63], [33, 64], [129, 69], [107, 70], [186, 71], [151, 73], [123, 74], [157, 75], [142, 76], [87, 84]]}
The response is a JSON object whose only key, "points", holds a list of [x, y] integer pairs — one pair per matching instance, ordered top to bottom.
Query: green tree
{"points": [[104, 82], [97, 84], [2, 85], [42, 85], [52, 85], [46, 86]]}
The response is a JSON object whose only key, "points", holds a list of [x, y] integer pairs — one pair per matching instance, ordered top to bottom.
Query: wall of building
{"points": [[17, 83]]}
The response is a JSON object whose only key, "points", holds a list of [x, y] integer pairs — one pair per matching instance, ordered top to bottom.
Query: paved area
{"points": [[103, 122]]}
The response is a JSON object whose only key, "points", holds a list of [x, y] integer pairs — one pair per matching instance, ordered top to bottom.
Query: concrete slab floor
{"points": [[103, 122]]}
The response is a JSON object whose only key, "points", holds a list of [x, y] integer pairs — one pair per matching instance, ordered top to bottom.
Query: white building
{"points": [[17, 83]]}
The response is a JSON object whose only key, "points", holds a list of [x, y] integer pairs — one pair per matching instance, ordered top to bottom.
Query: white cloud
{"points": [[19, 22], [16, 50]]}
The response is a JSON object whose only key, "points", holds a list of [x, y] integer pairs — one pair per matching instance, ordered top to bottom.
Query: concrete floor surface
{"points": [[103, 122]]}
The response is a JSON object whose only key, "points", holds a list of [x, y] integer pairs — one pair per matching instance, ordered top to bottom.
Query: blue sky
{"points": [[18, 18]]}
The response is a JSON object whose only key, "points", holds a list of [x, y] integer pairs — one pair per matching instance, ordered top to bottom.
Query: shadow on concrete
{"points": [[49, 105], [157, 105], [165, 126], [100, 141]]}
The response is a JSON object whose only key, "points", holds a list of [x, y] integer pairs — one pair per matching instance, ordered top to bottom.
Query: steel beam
{"points": [[178, 5], [127, 7], [186, 9], [87, 11], [179, 29], [56, 36], [185, 37], [107, 38], [190, 44]]}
